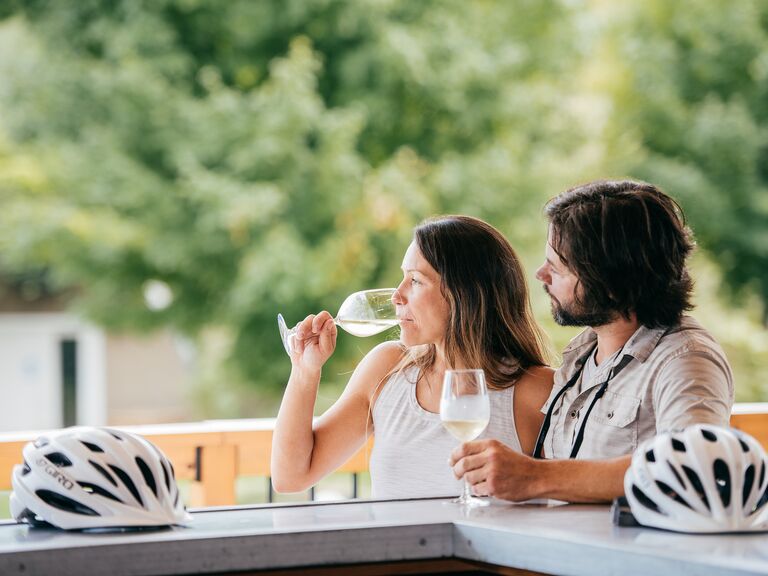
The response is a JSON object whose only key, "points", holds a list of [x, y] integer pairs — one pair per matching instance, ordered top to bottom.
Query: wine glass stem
{"points": [[466, 493]]}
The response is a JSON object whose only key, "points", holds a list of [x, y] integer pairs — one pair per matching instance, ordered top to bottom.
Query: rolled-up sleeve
{"points": [[694, 387]]}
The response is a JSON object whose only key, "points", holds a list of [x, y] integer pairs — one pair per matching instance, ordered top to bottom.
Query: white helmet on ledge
{"points": [[95, 478], [703, 479]]}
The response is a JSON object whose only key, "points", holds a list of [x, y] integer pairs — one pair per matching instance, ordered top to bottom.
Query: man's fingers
{"points": [[467, 449], [467, 464], [476, 476], [481, 489]]}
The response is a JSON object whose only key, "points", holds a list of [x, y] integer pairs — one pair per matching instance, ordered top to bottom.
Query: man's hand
{"points": [[494, 469]]}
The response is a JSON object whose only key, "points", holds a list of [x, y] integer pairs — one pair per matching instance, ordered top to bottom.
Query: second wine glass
{"points": [[363, 313], [465, 410]]}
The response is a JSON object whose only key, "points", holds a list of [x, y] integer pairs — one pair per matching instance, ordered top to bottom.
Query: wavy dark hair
{"points": [[627, 243], [490, 325]]}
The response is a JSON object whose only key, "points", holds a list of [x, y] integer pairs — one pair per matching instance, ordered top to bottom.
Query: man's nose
{"points": [[543, 274]]}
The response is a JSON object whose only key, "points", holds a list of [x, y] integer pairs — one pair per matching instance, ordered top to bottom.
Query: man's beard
{"points": [[574, 315]]}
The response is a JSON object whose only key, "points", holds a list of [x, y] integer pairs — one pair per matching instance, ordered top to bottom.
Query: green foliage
{"points": [[695, 99], [268, 156], [273, 156]]}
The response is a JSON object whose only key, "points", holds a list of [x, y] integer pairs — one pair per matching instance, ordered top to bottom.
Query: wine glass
{"points": [[363, 313], [464, 411]]}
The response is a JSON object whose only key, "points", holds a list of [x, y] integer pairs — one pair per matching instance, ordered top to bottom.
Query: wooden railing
{"points": [[213, 454]]}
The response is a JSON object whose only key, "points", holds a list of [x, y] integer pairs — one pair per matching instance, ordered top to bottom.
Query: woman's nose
{"points": [[397, 296]]}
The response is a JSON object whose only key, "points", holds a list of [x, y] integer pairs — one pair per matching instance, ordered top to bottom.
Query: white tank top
{"points": [[410, 453]]}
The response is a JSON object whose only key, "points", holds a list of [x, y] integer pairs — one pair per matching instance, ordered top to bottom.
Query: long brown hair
{"points": [[490, 323]]}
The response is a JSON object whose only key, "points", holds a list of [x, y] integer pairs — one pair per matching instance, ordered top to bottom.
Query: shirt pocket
{"points": [[614, 426]]}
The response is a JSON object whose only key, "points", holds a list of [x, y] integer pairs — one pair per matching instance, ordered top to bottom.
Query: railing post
{"points": [[217, 473]]}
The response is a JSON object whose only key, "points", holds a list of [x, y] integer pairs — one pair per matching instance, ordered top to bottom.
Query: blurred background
{"points": [[174, 173]]}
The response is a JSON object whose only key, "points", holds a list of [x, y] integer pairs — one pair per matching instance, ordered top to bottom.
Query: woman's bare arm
{"points": [[303, 453]]}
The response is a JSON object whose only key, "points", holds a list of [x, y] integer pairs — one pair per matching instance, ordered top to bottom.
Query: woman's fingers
{"points": [[321, 322], [304, 328], [315, 339]]}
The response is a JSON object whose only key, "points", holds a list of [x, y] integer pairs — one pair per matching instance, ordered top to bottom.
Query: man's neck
{"points": [[611, 337]]}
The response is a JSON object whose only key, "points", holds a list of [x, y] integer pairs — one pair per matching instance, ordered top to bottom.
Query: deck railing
{"points": [[214, 453]]}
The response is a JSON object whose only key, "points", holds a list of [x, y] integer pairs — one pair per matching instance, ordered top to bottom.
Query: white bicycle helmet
{"points": [[95, 478], [704, 479]]}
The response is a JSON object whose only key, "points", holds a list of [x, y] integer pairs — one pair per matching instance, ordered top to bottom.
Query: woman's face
{"points": [[421, 307]]}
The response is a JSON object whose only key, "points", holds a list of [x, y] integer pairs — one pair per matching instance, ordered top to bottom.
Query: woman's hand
{"points": [[314, 341]]}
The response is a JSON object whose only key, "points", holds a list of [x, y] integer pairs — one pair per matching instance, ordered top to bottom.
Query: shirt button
{"points": [[573, 414], [610, 415]]}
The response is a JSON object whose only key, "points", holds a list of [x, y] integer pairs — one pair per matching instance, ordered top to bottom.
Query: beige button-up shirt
{"points": [[675, 377]]}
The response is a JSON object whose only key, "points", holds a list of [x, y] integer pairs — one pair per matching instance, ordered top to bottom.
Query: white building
{"points": [[57, 370]]}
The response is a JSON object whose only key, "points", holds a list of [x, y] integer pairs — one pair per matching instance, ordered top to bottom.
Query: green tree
{"points": [[693, 93], [272, 156]]}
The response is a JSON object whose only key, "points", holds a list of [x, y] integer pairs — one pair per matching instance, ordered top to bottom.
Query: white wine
{"points": [[366, 327], [465, 430]]}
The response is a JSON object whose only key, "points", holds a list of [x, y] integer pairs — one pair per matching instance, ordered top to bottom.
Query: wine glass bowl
{"points": [[363, 313], [465, 410]]}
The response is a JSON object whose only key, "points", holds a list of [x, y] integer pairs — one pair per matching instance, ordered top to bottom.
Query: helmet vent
{"points": [[114, 435], [709, 435], [41, 442], [744, 445], [677, 446], [92, 447], [650, 456], [58, 459], [25, 469], [103, 472], [762, 473], [677, 475], [148, 476], [166, 476], [749, 480], [695, 481], [723, 481], [128, 483], [96, 489], [669, 491], [644, 500], [762, 501], [64, 503], [32, 519]]}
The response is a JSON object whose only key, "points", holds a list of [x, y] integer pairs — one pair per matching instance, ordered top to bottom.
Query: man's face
{"points": [[562, 285]]}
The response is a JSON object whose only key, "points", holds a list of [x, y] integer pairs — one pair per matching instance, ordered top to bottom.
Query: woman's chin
{"points": [[409, 341]]}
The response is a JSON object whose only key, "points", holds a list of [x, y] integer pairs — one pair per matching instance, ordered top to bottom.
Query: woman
{"points": [[463, 303]]}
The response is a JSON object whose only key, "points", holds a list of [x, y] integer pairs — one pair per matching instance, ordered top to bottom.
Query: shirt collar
{"points": [[639, 346]]}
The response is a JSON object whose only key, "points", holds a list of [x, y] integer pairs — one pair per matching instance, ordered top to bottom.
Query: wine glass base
{"points": [[284, 333], [471, 501]]}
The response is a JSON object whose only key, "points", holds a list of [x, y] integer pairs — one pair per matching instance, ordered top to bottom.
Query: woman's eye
{"points": [[414, 281]]}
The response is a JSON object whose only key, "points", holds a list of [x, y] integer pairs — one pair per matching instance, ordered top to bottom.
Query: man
{"points": [[616, 263]]}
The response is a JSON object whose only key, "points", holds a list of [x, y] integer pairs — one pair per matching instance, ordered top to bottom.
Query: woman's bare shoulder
{"points": [[386, 355], [377, 364], [535, 385]]}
